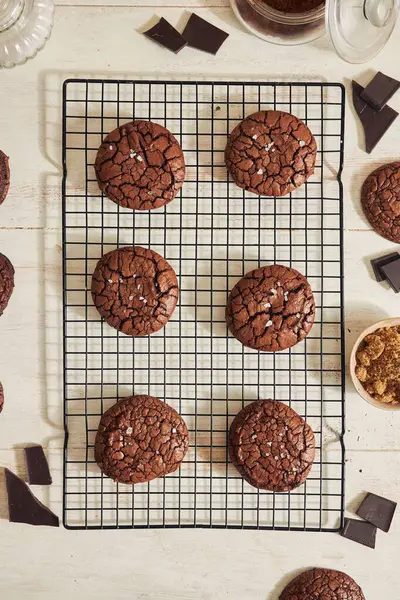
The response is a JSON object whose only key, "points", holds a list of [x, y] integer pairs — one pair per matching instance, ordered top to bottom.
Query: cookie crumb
{"points": [[378, 364]]}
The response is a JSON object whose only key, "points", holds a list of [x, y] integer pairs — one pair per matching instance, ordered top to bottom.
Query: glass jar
{"points": [[25, 26], [358, 28]]}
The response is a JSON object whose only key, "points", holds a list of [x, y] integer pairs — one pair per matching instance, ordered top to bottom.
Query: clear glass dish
{"points": [[25, 26], [277, 27], [359, 29]]}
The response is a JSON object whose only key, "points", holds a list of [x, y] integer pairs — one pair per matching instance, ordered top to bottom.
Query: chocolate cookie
{"points": [[271, 153], [140, 165], [4, 176], [380, 197], [6, 282], [135, 290], [271, 308], [1, 397], [140, 438], [271, 446], [322, 584]]}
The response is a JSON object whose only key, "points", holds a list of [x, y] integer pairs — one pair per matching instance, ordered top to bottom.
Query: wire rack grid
{"points": [[212, 234]]}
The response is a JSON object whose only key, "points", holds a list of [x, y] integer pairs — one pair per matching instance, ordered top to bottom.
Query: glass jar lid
{"points": [[360, 28]]}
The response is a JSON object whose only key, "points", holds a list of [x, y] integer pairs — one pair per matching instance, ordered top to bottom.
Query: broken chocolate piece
{"points": [[164, 34], [203, 35], [379, 90], [375, 123], [381, 261], [392, 275], [1, 397], [38, 469], [24, 507], [377, 510], [360, 532]]}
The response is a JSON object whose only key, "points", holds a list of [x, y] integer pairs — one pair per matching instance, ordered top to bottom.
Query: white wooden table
{"points": [[99, 39]]}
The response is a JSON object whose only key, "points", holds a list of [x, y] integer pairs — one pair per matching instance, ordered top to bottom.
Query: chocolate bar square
{"points": [[379, 90], [381, 261], [377, 510]]}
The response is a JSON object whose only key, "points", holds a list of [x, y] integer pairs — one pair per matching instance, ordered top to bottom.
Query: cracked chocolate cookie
{"points": [[271, 153], [140, 165], [4, 176], [380, 198], [6, 282], [135, 290], [271, 308], [1, 397], [140, 438], [271, 446], [322, 584]]}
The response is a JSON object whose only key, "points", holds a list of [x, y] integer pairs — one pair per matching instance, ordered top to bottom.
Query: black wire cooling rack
{"points": [[212, 234]]}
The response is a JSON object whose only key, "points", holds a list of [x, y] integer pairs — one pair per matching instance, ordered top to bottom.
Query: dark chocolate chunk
{"points": [[163, 33], [203, 35], [379, 90], [375, 123], [381, 261], [392, 275], [38, 469], [24, 507], [377, 510], [360, 532]]}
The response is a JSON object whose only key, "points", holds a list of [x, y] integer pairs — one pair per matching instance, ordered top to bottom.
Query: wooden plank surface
{"points": [[102, 41]]}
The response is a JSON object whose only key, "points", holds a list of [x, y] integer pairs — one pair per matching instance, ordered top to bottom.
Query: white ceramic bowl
{"points": [[357, 384]]}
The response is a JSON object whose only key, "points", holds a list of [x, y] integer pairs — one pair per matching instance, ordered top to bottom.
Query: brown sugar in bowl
{"points": [[393, 322]]}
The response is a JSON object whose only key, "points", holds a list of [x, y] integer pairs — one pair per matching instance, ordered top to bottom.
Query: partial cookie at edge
{"points": [[4, 176], [380, 198], [6, 282], [322, 583]]}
